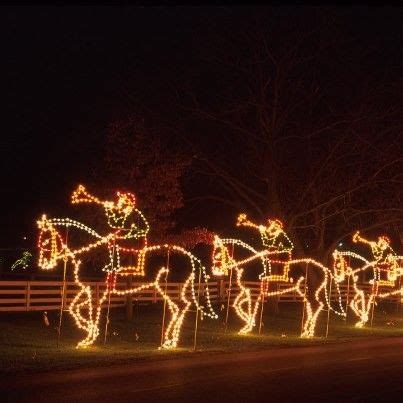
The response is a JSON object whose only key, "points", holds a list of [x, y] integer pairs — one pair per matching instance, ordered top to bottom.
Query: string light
{"points": [[276, 241], [278, 248], [52, 249], [277, 252], [385, 259], [385, 273]]}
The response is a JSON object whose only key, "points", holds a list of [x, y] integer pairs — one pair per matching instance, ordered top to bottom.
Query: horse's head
{"points": [[49, 243], [221, 258], [340, 267]]}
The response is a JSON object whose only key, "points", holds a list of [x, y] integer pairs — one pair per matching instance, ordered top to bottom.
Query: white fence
{"points": [[46, 295]]}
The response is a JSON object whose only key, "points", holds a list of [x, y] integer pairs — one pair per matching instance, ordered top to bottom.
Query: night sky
{"points": [[68, 72], [65, 74]]}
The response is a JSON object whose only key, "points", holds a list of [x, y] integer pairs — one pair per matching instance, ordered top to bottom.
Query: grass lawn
{"points": [[27, 344]]}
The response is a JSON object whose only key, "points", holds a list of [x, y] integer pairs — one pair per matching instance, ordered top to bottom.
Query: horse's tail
{"points": [[208, 311]]}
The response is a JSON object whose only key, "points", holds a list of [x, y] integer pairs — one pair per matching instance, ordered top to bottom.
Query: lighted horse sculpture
{"points": [[127, 224], [276, 266], [384, 274]]}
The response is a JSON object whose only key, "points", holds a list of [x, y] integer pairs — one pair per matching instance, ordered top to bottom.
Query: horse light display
{"points": [[123, 229], [128, 254], [275, 256], [384, 272]]}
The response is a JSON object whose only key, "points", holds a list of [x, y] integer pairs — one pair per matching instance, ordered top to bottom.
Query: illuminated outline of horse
{"points": [[53, 249], [223, 262], [362, 300]]}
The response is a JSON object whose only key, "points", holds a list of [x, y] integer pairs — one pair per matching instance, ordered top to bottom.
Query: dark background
{"points": [[66, 72]]}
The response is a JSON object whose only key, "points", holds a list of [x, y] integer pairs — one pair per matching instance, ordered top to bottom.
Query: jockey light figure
{"points": [[121, 217], [277, 243], [385, 259]]}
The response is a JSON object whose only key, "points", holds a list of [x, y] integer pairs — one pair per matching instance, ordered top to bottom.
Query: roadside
{"points": [[28, 345], [333, 372]]}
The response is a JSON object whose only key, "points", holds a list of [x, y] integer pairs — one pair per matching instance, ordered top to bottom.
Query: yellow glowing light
{"points": [[276, 242], [52, 249], [277, 253], [385, 270]]}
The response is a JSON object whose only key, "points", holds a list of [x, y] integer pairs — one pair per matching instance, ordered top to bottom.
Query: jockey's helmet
{"points": [[126, 201], [274, 225], [383, 241]]}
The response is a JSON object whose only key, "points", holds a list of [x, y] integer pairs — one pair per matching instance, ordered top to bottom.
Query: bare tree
{"points": [[299, 133]]}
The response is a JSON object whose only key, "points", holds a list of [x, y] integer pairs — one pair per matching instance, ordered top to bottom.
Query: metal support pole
{"points": [[63, 291], [109, 292], [229, 292], [348, 296], [399, 296], [262, 297], [165, 301], [228, 301], [373, 304], [303, 305], [328, 308], [197, 311]]}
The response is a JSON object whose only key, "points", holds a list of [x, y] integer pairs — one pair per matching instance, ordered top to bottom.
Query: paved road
{"points": [[363, 370]]}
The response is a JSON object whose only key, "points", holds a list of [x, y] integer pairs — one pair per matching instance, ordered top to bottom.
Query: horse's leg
{"points": [[238, 301], [359, 306], [313, 307], [367, 308], [74, 309], [254, 311], [181, 315], [246, 315], [310, 315], [249, 317], [95, 318], [308, 318], [311, 319], [90, 324], [89, 327], [168, 341]]}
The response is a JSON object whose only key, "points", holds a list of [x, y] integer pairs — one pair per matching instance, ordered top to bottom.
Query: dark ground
{"points": [[360, 370]]}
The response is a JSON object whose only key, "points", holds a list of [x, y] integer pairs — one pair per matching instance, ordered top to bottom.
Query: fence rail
{"points": [[21, 296]]}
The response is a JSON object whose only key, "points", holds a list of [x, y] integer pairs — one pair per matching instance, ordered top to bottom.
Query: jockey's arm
{"points": [[243, 221], [284, 243]]}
